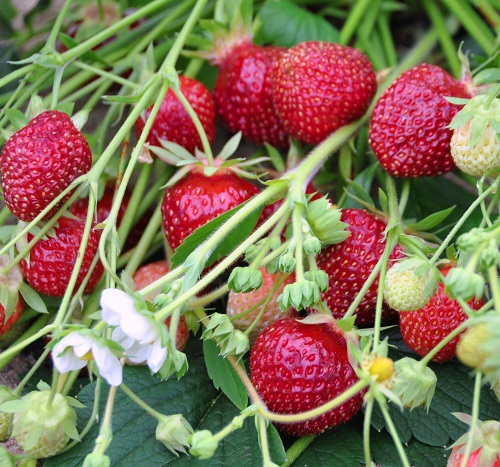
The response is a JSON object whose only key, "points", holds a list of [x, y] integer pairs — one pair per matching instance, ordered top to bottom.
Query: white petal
{"points": [[115, 303], [140, 328], [122, 339], [138, 353], [156, 356], [67, 362], [108, 364]]}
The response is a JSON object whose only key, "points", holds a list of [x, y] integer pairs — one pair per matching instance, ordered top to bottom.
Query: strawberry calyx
{"points": [[485, 440]]}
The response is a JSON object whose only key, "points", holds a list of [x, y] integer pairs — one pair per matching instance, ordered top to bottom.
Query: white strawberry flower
{"points": [[138, 333], [76, 349]]}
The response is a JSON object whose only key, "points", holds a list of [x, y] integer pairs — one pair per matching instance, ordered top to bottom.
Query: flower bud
{"points": [[324, 220], [311, 245], [286, 263], [318, 276], [244, 279], [462, 283], [299, 295], [415, 383], [173, 431], [203, 444], [96, 459]]}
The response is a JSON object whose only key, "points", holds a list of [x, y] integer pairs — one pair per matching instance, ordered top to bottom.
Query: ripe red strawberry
{"points": [[320, 86], [243, 93], [174, 124], [408, 131], [39, 161], [196, 199], [50, 263], [348, 265], [148, 274], [238, 303], [6, 326], [423, 329], [296, 367]]}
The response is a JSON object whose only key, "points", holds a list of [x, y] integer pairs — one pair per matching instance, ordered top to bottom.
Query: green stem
{"points": [[352, 22], [473, 24], [387, 39], [51, 41], [447, 44], [17, 74], [461, 221], [494, 286], [32, 371], [140, 402], [369, 403], [316, 412], [474, 418], [392, 430], [264, 442], [296, 449]]}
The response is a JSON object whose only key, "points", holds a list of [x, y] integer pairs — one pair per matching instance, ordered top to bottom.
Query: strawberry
{"points": [[320, 86], [243, 92], [173, 123], [408, 127], [483, 157], [39, 161], [197, 198], [50, 262], [348, 265], [149, 273], [251, 304], [6, 325], [423, 329], [296, 366], [485, 445]]}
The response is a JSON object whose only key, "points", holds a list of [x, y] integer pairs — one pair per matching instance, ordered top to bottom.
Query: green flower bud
{"points": [[324, 220], [471, 240], [311, 245], [490, 256], [286, 263], [272, 267], [318, 276], [244, 279], [462, 283], [299, 295], [414, 383], [173, 431], [203, 444], [96, 459]]}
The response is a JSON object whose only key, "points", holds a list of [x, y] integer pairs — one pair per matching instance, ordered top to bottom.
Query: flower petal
{"points": [[115, 303], [140, 328], [138, 353], [156, 356], [108, 364]]}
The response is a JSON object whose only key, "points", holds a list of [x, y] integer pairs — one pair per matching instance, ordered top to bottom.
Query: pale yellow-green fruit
{"points": [[482, 158], [405, 290], [469, 350]]}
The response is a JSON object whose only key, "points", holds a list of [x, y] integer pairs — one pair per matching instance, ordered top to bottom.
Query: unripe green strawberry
{"points": [[484, 156], [404, 290], [469, 350], [6, 394], [45, 423]]}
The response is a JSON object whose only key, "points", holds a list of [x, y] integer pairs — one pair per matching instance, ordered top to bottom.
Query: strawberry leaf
{"points": [[286, 24], [431, 220], [234, 238], [223, 375]]}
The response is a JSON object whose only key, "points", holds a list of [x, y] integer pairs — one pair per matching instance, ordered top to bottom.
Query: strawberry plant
{"points": [[253, 232]]}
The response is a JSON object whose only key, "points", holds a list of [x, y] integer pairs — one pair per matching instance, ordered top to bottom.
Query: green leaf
{"points": [[286, 24], [16, 118], [360, 188], [431, 220], [226, 245], [32, 298], [223, 375], [134, 441], [341, 446]]}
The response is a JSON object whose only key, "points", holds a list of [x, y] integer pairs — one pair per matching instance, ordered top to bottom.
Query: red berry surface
{"points": [[320, 86], [243, 94], [173, 123], [408, 131], [39, 161], [196, 199], [50, 263], [350, 263], [149, 273], [6, 325], [423, 329], [297, 367], [457, 457]]}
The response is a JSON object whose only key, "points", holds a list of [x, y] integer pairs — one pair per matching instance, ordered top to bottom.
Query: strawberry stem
{"points": [[369, 404], [474, 417], [296, 449]]}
